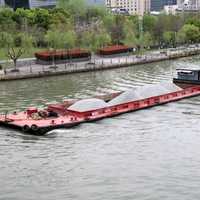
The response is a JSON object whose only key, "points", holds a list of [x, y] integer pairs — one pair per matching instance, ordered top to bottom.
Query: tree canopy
{"points": [[75, 24]]}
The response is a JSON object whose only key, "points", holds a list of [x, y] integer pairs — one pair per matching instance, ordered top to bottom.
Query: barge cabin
{"points": [[187, 77]]}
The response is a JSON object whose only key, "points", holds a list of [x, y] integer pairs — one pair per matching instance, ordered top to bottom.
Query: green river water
{"points": [[151, 154]]}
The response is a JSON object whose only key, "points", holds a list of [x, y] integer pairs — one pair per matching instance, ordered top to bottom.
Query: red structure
{"points": [[115, 49], [62, 54], [39, 122]]}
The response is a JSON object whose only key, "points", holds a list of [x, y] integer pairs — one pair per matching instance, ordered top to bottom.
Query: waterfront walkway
{"points": [[29, 69]]}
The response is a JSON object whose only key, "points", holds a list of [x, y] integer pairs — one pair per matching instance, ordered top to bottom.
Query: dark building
{"points": [[95, 2], [17, 3], [30, 3], [40, 3], [158, 5]]}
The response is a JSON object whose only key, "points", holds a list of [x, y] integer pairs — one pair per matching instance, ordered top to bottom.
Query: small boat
{"points": [[187, 77], [71, 113]]}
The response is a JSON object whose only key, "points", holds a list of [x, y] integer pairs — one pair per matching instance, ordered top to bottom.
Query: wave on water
{"points": [[187, 65], [58, 131]]}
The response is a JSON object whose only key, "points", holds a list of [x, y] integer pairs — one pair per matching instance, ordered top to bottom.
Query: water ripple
{"points": [[148, 154]]}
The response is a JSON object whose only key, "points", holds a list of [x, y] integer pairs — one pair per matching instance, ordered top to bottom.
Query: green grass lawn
{"points": [[30, 54], [4, 57]]}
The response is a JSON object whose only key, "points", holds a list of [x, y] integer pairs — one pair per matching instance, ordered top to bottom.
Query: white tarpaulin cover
{"points": [[144, 92], [128, 96], [125, 97], [87, 105]]}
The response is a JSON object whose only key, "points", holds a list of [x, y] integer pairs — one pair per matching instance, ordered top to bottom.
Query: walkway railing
{"points": [[31, 70]]}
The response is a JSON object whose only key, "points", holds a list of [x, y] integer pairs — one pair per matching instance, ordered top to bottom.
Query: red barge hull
{"points": [[65, 118]]}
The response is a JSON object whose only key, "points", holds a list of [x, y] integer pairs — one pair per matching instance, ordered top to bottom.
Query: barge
{"points": [[71, 113]]}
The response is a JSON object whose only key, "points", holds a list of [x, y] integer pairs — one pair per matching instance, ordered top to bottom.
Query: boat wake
{"points": [[187, 65], [57, 131]]}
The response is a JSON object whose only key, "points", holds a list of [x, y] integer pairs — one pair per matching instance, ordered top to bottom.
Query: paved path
{"points": [[32, 70]]}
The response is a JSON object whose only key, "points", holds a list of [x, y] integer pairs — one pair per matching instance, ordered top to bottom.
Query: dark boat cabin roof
{"points": [[188, 70]]}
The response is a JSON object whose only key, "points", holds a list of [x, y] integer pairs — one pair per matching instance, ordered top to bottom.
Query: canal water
{"points": [[146, 155]]}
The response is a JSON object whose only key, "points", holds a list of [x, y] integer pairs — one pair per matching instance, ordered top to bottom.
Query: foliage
{"points": [[74, 7], [194, 21], [149, 22], [73, 23], [130, 32], [190, 33], [58, 38], [169, 38], [53, 39], [68, 39], [86, 39], [101, 39], [94, 40], [147, 40], [16, 45]]}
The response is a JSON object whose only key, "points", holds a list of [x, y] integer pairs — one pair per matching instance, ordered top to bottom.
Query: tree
{"points": [[74, 7], [97, 12], [19, 15], [38, 16], [59, 16], [42, 18], [6, 20], [108, 21], [194, 21], [149, 23], [117, 29], [159, 29], [130, 31], [190, 33], [38, 34], [58, 38], [169, 38], [180, 38], [5, 39], [68, 39], [86, 39], [94, 39], [101, 39], [130, 39], [53, 40], [146, 40], [16, 45]]}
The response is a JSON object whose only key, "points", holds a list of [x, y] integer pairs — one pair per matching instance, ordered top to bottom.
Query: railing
{"points": [[143, 103]]}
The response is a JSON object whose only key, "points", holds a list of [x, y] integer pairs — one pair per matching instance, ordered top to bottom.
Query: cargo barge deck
{"points": [[72, 113], [40, 125]]}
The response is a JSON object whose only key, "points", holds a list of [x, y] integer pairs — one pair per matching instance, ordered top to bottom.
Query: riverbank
{"points": [[29, 69]]}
